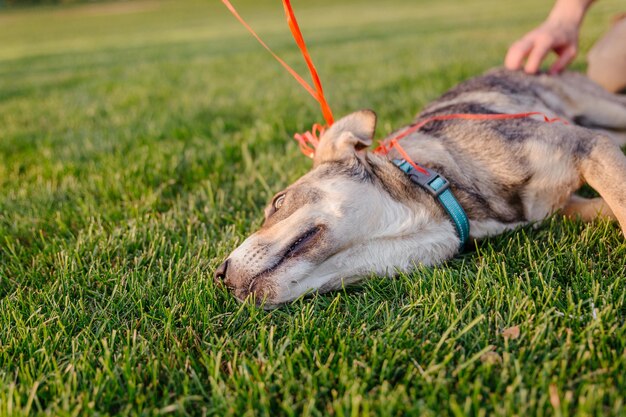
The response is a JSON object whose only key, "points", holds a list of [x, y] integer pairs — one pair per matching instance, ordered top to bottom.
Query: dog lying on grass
{"points": [[356, 213]]}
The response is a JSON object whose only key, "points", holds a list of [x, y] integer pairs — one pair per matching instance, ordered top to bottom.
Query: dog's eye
{"points": [[278, 202]]}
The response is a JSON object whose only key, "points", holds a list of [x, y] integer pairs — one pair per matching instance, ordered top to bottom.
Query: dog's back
{"points": [[514, 171]]}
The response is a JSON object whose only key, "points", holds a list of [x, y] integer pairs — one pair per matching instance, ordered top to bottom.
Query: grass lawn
{"points": [[139, 142]]}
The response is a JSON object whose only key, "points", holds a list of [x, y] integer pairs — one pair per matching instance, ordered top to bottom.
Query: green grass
{"points": [[138, 144]]}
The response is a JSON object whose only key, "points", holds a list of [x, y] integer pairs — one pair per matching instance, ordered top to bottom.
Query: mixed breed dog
{"points": [[358, 214]]}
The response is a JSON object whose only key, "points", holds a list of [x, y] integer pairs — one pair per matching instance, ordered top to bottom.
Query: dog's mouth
{"points": [[300, 245]]}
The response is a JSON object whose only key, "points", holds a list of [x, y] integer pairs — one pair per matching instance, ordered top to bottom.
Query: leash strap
{"points": [[297, 36], [318, 91], [392, 142], [439, 187]]}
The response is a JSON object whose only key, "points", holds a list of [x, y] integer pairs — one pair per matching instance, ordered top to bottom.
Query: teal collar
{"points": [[439, 187]]}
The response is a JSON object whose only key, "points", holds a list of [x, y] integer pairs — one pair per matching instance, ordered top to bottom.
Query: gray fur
{"points": [[486, 161]]}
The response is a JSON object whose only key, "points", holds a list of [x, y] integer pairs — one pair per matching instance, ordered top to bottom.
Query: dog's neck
{"points": [[401, 188], [425, 220]]}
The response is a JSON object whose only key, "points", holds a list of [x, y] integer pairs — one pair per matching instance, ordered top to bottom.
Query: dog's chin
{"points": [[274, 288], [279, 289], [272, 295], [264, 303]]}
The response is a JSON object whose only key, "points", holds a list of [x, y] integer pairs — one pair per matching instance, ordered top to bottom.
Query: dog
{"points": [[356, 214]]}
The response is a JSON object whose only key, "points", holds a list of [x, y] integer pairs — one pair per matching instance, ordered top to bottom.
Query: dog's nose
{"points": [[220, 272]]}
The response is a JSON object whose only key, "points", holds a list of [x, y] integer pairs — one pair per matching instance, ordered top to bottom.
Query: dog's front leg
{"points": [[604, 168]]}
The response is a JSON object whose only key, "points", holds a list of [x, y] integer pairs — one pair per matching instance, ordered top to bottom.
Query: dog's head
{"points": [[336, 224]]}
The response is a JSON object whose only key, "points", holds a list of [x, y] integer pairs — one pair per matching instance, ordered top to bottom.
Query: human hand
{"points": [[556, 35]]}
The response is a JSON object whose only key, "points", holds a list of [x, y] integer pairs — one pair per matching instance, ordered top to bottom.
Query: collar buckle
{"points": [[434, 183], [439, 187]]}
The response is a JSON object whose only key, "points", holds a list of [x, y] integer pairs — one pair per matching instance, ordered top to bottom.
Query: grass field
{"points": [[139, 142]]}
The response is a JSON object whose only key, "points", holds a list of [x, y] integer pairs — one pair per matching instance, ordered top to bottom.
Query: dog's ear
{"points": [[346, 137]]}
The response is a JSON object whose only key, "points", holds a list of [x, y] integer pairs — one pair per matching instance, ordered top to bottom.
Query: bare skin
{"points": [[558, 33]]}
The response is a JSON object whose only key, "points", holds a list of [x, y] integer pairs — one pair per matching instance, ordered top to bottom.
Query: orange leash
{"points": [[297, 35], [318, 91], [312, 137], [308, 141], [392, 142]]}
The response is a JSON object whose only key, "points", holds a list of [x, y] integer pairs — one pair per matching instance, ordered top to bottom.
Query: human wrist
{"points": [[569, 12]]}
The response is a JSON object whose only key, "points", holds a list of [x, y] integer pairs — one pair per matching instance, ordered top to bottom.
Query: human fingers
{"points": [[540, 49], [516, 54], [565, 57]]}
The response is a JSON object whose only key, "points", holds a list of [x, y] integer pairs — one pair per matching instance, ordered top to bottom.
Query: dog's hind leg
{"points": [[591, 106], [603, 111], [602, 114], [619, 137], [604, 168], [587, 209]]}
